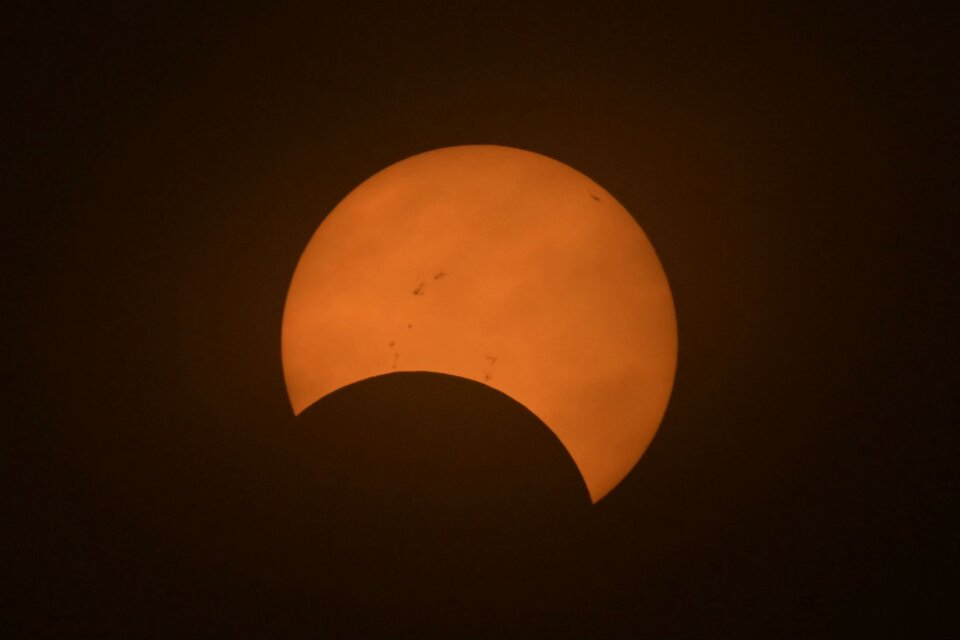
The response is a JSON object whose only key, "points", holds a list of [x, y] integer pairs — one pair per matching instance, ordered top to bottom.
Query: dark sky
{"points": [[794, 168]]}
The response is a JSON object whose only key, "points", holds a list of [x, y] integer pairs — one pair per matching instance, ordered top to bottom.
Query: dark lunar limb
{"points": [[421, 499]]}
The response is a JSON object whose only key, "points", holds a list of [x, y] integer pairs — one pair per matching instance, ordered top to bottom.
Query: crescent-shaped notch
{"points": [[501, 266]]}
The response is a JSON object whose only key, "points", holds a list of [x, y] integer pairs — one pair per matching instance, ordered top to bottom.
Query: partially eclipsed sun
{"points": [[502, 266]]}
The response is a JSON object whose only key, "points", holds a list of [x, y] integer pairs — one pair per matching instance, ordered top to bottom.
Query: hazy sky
{"points": [[794, 168]]}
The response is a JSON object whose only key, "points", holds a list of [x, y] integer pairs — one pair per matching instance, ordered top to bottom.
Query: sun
{"points": [[501, 266]]}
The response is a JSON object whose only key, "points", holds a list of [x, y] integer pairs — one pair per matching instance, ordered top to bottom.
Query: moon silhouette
{"points": [[501, 266]]}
